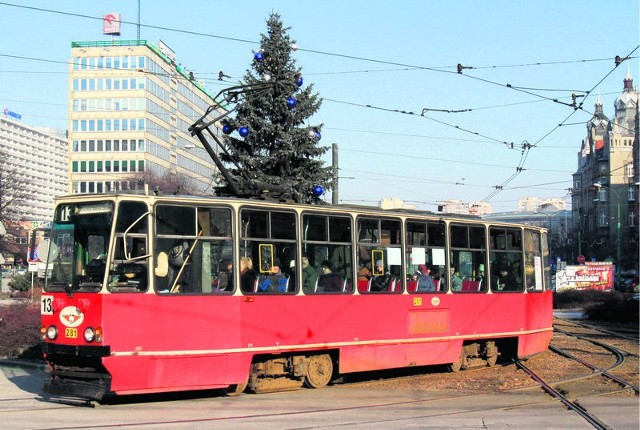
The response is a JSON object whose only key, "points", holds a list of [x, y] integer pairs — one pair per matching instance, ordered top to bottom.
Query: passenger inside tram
{"points": [[309, 275], [248, 276], [382, 278], [456, 280], [275, 281], [329, 281]]}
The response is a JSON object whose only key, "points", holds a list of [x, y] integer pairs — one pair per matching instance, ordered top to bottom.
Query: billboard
{"points": [[111, 24], [588, 276]]}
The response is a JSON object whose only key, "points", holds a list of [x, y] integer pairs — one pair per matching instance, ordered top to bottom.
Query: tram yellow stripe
{"points": [[327, 345]]}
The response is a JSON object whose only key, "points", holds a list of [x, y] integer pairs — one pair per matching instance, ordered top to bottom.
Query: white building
{"points": [[130, 108], [37, 161], [532, 204], [459, 207]]}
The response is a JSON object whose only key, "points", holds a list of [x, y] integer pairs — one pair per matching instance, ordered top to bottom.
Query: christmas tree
{"points": [[269, 139]]}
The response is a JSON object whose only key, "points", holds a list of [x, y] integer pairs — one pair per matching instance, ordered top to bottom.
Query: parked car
{"points": [[21, 271], [7, 273], [628, 284]]}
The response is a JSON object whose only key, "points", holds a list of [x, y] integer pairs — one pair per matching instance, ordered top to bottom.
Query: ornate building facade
{"points": [[605, 185]]}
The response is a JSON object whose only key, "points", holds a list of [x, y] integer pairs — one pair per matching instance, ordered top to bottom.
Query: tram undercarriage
{"points": [[284, 373]]}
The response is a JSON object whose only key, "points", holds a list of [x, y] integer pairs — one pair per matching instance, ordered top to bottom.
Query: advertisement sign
{"points": [[111, 24], [7, 112], [588, 276]]}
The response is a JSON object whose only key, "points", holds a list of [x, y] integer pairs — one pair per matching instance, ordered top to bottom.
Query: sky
{"points": [[406, 124]]}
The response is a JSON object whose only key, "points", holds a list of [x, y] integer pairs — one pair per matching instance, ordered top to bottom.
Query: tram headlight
{"points": [[52, 332], [89, 334]]}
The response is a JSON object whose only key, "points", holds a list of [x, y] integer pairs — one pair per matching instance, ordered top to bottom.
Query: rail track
{"points": [[617, 356]]}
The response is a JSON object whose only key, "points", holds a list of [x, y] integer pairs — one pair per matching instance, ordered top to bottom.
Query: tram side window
{"points": [[268, 244], [425, 248], [194, 253], [326, 254], [379, 255], [468, 258], [506, 259], [534, 261], [129, 267]]}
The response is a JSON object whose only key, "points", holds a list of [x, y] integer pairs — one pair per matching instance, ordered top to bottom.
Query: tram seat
{"points": [[363, 285], [395, 285], [470, 285], [345, 286], [412, 286], [279, 288]]}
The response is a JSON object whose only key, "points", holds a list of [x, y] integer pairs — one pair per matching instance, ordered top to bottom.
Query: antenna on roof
{"points": [[138, 21]]}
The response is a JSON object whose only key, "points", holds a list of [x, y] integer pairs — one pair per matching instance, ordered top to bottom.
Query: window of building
{"points": [[628, 170], [602, 194], [603, 220]]}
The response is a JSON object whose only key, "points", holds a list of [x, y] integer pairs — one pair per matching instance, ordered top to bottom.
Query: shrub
{"points": [[23, 283], [599, 305], [615, 308], [20, 330]]}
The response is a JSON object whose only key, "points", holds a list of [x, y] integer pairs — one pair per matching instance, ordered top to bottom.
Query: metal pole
{"points": [[138, 20], [334, 184], [618, 253]]}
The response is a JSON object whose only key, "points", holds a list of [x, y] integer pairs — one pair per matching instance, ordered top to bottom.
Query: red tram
{"points": [[149, 293]]}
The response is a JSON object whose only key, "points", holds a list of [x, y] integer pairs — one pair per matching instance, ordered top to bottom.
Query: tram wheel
{"points": [[492, 354], [456, 366], [319, 371], [235, 389]]}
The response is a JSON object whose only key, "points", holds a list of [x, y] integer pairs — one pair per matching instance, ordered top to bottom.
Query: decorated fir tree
{"points": [[269, 138]]}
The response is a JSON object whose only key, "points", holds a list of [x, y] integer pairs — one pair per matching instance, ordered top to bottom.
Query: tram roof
{"points": [[288, 204]]}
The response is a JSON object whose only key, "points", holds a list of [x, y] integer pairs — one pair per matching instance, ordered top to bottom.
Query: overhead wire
{"points": [[527, 90], [528, 147]]}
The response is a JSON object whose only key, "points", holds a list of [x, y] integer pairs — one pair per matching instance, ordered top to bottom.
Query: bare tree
{"points": [[167, 184], [14, 189], [14, 194]]}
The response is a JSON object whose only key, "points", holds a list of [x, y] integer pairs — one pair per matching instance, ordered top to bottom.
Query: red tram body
{"points": [[107, 334]]}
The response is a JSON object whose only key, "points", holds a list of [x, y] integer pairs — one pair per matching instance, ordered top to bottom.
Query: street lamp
{"points": [[618, 253]]}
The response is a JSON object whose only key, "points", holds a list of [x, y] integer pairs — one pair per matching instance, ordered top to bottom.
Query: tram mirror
{"points": [[48, 250], [265, 255], [377, 256]]}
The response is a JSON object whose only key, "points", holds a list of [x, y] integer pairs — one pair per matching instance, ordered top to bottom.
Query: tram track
{"points": [[557, 389], [573, 405]]}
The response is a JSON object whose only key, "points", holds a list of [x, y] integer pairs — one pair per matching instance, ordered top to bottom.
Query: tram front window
{"points": [[77, 248]]}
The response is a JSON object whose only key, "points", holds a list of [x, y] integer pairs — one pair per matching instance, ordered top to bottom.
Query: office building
{"points": [[130, 108], [34, 169]]}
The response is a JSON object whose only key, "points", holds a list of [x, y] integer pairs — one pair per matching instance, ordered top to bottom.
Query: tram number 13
{"points": [[46, 305]]}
